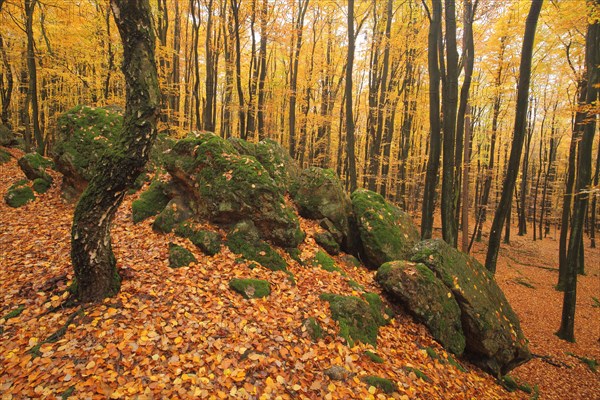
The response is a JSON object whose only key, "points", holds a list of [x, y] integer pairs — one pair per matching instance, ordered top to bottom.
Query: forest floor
{"points": [[183, 334]]}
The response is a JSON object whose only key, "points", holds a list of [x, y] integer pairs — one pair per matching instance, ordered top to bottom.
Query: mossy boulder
{"points": [[83, 135], [7, 136], [4, 156], [274, 158], [34, 166], [41, 185], [225, 187], [19, 194], [320, 194], [151, 202], [175, 212], [386, 232], [244, 240], [207, 241], [327, 242], [180, 256], [323, 261], [251, 288], [427, 298], [358, 319], [314, 330], [494, 339], [383, 384]]}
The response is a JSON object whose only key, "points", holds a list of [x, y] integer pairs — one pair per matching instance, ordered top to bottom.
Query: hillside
{"points": [[183, 333]]}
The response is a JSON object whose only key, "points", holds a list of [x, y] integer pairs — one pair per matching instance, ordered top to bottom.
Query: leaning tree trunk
{"points": [[519, 136], [584, 178], [93, 260]]}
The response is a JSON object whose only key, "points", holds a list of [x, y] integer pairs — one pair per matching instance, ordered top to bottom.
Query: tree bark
{"points": [[32, 69], [262, 76], [5, 90], [208, 122], [518, 136], [435, 141], [351, 157], [584, 176], [93, 260]]}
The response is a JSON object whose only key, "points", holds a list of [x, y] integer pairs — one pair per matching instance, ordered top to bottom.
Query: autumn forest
{"points": [[472, 122]]}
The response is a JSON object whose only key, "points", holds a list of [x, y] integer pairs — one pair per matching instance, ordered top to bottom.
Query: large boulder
{"points": [[83, 135], [7, 136], [274, 158], [34, 166], [223, 186], [319, 195], [386, 232], [427, 298], [494, 339]]}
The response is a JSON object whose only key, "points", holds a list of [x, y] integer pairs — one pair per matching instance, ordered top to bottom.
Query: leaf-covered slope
{"points": [[184, 333]]}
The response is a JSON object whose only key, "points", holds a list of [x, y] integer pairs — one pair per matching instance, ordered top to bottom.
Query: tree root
{"points": [[35, 350], [551, 361]]}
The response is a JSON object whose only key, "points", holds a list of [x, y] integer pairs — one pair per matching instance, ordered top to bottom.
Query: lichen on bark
{"points": [[91, 253]]}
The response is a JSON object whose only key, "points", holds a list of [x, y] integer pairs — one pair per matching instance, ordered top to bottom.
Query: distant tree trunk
{"points": [[235, 8], [195, 14], [298, 27], [110, 54], [262, 57], [32, 68], [229, 70], [175, 72], [5, 89], [449, 104], [208, 122], [518, 136], [323, 139], [435, 141], [351, 157], [584, 175], [465, 181], [523, 193], [594, 202], [93, 260]]}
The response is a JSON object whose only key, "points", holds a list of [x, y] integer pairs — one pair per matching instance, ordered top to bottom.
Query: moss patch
{"points": [[4, 156], [41, 185], [19, 194], [150, 203], [208, 242], [327, 242], [255, 250], [180, 256], [323, 261], [355, 285], [251, 288], [14, 313], [358, 320], [313, 329], [374, 357], [420, 374], [383, 384], [511, 384]]}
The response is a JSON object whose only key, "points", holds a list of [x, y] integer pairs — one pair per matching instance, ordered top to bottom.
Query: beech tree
{"points": [[587, 116], [518, 136], [93, 260]]}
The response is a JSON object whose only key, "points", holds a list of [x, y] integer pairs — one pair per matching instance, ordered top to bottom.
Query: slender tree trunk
{"points": [[235, 8], [195, 13], [299, 25], [262, 57], [32, 68], [5, 90], [208, 121], [518, 136], [435, 141], [351, 157], [584, 176], [465, 181], [523, 193], [594, 201], [93, 260]]}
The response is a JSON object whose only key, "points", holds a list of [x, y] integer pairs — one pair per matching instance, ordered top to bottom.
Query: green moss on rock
{"points": [[4, 156], [34, 166], [41, 185], [19, 194], [151, 202], [174, 213], [386, 232], [207, 241], [327, 242], [254, 249], [180, 256], [323, 261], [251, 288], [427, 298], [358, 321], [313, 329], [374, 357], [420, 374], [385, 385]]}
